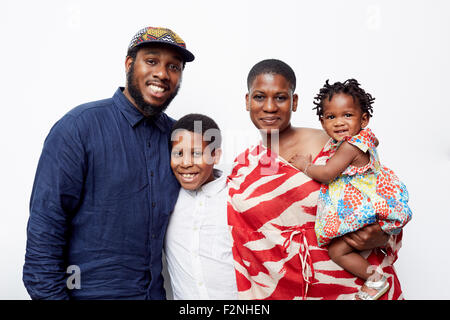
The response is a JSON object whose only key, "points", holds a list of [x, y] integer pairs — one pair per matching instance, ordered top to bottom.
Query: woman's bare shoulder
{"points": [[317, 135], [310, 141]]}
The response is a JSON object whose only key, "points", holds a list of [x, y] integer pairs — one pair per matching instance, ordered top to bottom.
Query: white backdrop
{"points": [[57, 54]]}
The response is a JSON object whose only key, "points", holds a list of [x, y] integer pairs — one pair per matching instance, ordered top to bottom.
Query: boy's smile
{"points": [[191, 160]]}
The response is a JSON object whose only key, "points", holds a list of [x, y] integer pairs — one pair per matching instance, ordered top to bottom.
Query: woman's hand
{"points": [[300, 161], [369, 237]]}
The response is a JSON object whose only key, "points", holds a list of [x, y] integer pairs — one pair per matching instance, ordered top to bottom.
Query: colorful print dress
{"points": [[361, 195], [271, 214]]}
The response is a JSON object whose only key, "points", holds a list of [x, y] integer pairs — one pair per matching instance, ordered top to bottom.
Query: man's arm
{"points": [[55, 196]]}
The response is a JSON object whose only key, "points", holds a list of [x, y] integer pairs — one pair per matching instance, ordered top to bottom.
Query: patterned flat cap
{"points": [[161, 35]]}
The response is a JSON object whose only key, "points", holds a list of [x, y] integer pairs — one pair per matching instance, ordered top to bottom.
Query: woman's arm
{"points": [[344, 156], [369, 237]]}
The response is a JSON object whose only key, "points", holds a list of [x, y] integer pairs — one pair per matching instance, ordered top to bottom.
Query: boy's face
{"points": [[191, 160]]}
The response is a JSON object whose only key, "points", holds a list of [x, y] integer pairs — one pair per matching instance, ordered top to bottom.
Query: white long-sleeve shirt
{"points": [[198, 245]]}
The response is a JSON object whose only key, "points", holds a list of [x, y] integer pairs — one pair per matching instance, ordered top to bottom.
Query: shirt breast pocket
{"points": [[216, 243], [222, 246]]}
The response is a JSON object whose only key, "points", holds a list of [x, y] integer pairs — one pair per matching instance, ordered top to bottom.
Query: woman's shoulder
{"points": [[317, 135], [310, 141]]}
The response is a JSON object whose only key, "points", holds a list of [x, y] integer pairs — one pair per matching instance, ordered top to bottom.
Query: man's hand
{"points": [[369, 237]]}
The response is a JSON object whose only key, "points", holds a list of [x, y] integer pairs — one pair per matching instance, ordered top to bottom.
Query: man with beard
{"points": [[104, 189]]}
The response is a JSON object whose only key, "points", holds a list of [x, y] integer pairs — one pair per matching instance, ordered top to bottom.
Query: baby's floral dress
{"points": [[361, 195]]}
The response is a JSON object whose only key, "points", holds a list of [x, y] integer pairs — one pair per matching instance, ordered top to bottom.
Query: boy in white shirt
{"points": [[198, 243]]}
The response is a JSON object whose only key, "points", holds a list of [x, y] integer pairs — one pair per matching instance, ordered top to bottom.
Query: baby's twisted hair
{"points": [[350, 87]]}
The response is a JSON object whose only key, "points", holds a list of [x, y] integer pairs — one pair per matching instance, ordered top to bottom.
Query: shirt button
{"points": [[148, 144], [151, 174], [153, 204]]}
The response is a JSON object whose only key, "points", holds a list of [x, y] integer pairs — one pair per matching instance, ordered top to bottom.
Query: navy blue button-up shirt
{"points": [[100, 204]]}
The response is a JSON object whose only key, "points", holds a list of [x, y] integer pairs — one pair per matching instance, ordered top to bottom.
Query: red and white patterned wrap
{"points": [[271, 214]]}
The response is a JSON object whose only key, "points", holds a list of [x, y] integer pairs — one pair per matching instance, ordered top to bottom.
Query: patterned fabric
{"points": [[151, 33], [161, 35], [361, 196], [271, 213]]}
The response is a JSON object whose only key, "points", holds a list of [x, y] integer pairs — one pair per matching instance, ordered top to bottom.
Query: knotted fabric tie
{"points": [[305, 256]]}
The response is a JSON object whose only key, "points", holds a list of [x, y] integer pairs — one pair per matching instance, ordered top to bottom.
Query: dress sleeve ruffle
{"points": [[365, 141]]}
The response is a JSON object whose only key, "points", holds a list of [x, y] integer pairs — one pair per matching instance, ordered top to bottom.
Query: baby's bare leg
{"points": [[346, 257]]}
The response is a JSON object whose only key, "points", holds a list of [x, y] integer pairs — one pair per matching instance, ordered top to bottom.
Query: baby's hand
{"points": [[300, 161]]}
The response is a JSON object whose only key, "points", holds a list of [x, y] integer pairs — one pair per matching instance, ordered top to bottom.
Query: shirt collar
{"points": [[133, 115], [212, 188]]}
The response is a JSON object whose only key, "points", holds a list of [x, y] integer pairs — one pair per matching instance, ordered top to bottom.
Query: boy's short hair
{"points": [[272, 66], [199, 123]]}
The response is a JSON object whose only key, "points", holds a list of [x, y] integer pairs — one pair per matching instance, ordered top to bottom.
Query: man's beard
{"points": [[148, 109]]}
